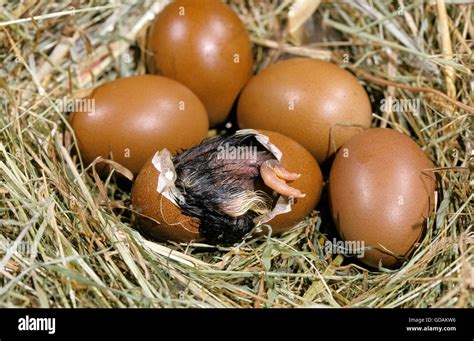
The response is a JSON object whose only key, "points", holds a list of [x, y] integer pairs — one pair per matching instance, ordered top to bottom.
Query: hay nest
{"points": [[67, 237]]}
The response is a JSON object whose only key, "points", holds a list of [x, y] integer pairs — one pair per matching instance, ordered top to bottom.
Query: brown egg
{"points": [[205, 46], [318, 104], [133, 117], [297, 159], [381, 189], [156, 214]]}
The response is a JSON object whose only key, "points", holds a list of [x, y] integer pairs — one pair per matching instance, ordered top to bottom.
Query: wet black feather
{"points": [[207, 181]]}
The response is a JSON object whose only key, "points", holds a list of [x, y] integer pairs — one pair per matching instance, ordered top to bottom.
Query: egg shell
{"points": [[205, 46], [311, 101], [135, 116], [296, 159], [381, 189], [167, 221]]}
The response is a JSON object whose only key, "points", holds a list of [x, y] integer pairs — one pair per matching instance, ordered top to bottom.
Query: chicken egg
{"points": [[205, 46], [318, 104], [133, 117], [381, 189]]}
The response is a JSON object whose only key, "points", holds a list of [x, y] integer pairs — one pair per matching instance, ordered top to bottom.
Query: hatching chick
{"points": [[227, 182]]}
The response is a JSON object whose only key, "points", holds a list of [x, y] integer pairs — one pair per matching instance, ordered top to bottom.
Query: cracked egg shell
{"points": [[205, 46], [306, 100], [135, 116], [296, 159], [381, 189], [156, 214]]}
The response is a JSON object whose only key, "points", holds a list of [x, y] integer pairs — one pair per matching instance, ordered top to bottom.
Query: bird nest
{"points": [[67, 237]]}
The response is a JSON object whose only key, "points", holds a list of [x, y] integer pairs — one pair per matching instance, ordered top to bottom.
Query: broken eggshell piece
{"points": [[163, 163], [156, 214]]}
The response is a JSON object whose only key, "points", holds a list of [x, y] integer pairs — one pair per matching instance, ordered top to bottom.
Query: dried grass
{"points": [[81, 248]]}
